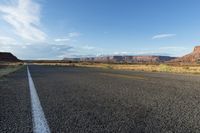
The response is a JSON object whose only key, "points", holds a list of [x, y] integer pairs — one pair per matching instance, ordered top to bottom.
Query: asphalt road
{"points": [[97, 100]]}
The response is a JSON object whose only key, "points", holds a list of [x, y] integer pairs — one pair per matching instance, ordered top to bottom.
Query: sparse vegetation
{"points": [[149, 68], [164, 68], [6, 69], [191, 69]]}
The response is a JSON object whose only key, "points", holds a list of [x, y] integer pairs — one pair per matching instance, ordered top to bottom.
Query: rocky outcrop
{"points": [[7, 57], [192, 58], [125, 59]]}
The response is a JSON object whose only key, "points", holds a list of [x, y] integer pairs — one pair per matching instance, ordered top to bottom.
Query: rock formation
{"points": [[7, 57], [192, 58], [125, 59]]}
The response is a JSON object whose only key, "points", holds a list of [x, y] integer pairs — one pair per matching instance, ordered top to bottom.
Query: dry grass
{"points": [[135, 67], [148, 68], [6, 69]]}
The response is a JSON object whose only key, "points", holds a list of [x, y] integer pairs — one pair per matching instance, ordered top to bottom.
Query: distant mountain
{"points": [[8, 57], [192, 58], [125, 59]]}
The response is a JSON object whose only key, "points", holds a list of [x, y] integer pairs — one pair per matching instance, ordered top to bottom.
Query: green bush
{"points": [[109, 67], [164, 68]]}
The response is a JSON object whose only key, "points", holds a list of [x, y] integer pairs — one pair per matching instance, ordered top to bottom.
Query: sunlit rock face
{"points": [[197, 49], [191, 58], [125, 59]]}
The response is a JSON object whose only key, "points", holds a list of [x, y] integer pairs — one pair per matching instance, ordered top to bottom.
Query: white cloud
{"points": [[24, 17], [74, 34], [160, 36], [68, 38], [62, 39], [4, 40], [88, 47], [174, 48], [43, 50], [81, 51], [175, 51], [121, 53]]}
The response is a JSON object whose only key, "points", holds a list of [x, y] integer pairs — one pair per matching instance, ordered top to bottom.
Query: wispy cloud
{"points": [[24, 17], [74, 34], [160, 36], [68, 38], [62, 39], [4, 40], [88, 47], [174, 48], [43, 50], [81, 51], [175, 51], [121, 53]]}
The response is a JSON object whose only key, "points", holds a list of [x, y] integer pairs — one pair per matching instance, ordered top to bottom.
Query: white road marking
{"points": [[39, 121]]}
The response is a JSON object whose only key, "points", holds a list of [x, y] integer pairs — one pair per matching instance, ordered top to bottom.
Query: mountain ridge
{"points": [[8, 57], [125, 59]]}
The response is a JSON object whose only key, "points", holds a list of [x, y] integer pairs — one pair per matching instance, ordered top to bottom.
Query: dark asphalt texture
{"points": [[99, 100], [15, 106]]}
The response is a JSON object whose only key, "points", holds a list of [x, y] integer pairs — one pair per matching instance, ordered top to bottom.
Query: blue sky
{"points": [[52, 29]]}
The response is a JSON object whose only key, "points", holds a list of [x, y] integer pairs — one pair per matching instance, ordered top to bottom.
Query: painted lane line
{"points": [[39, 121]]}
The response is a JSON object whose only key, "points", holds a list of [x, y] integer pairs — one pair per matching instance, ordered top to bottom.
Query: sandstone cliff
{"points": [[192, 58]]}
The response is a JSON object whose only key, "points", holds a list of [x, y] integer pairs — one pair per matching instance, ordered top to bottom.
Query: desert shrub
{"points": [[72, 65], [109, 67], [186, 67], [165, 68], [153, 70]]}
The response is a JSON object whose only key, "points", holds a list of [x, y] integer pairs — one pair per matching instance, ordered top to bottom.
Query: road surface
{"points": [[85, 100]]}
